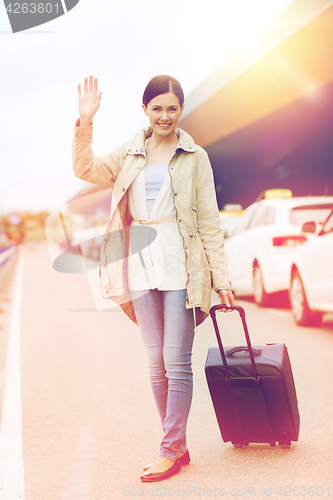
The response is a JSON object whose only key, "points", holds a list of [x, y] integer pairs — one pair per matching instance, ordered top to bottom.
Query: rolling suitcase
{"points": [[252, 390]]}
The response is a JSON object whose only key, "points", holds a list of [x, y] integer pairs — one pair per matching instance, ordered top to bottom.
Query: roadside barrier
{"points": [[6, 253]]}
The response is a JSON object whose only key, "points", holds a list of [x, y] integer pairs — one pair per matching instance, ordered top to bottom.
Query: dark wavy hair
{"points": [[162, 84]]}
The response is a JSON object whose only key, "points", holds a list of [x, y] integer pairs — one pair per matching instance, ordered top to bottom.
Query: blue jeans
{"points": [[167, 329]]}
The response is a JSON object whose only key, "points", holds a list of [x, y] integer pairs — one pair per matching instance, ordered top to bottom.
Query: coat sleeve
{"points": [[90, 168], [208, 218]]}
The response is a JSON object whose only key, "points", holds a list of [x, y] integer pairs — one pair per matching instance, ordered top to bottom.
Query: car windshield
{"points": [[306, 213]]}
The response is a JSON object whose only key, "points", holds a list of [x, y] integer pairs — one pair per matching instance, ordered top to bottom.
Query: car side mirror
{"points": [[309, 227]]}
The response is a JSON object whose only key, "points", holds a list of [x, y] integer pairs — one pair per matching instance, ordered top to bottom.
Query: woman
{"points": [[163, 181]]}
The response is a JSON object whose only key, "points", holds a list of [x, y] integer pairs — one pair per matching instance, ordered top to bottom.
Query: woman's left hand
{"points": [[227, 297]]}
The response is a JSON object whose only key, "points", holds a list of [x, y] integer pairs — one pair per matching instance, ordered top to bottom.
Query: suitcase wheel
{"points": [[272, 444], [237, 445], [285, 445]]}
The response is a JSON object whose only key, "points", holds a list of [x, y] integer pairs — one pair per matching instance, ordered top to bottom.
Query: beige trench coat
{"points": [[196, 207]]}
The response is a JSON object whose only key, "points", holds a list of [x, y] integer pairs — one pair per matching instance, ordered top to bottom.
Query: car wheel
{"points": [[259, 292], [300, 310]]}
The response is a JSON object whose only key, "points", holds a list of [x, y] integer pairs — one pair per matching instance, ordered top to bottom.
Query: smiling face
{"points": [[164, 112]]}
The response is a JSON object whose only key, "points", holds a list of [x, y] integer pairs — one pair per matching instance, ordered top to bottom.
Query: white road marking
{"points": [[11, 459]]}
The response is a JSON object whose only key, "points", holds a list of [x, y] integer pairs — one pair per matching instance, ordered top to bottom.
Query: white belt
{"points": [[145, 222]]}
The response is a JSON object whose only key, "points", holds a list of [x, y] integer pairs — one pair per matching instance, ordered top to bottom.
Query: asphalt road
{"points": [[89, 422]]}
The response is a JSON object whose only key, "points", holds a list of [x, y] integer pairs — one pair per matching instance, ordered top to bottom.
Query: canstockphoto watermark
{"points": [[28, 14], [65, 230], [80, 241], [188, 491], [217, 492]]}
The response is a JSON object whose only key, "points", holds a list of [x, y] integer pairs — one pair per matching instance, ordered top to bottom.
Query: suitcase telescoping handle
{"points": [[247, 336]]}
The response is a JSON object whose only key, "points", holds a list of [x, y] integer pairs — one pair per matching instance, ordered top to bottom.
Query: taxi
{"points": [[229, 217], [261, 247], [311, 278]]}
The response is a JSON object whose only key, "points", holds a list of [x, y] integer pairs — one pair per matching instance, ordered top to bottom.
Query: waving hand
{"points": [[89, 100]]}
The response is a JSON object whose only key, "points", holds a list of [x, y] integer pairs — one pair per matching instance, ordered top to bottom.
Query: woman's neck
{"points": [[157, 141], [161, 149]]}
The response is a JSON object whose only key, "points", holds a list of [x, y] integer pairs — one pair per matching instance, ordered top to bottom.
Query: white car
{"points": [[229, 218], [261, 247], [311, 288]]}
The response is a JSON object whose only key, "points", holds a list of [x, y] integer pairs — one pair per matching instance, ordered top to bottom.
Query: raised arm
{"points": [[86, 166]]}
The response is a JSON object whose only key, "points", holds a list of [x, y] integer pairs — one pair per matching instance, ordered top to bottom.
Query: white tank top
{"points": [[154, 177]]}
